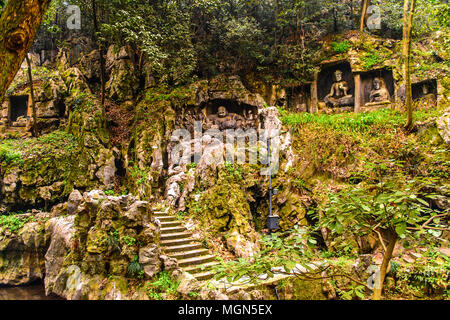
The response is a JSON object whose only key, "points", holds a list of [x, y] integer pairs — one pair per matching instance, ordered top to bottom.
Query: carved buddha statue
{"points": [[379, 93], [339, 96], [428, 98], [250, 119], [224, 120]]}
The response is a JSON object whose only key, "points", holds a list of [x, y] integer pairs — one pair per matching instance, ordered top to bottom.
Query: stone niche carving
{"points": [[336, 86], [377, 88], [425, 92], [299, 98], [18, 110], [219, 114], [228, 114]]}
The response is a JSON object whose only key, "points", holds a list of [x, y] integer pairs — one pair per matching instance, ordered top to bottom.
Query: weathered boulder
{"points": [[90, 65], [74, 200], [60, 231], [242, 247], [149, 259], [169, 264], [188, 284]]}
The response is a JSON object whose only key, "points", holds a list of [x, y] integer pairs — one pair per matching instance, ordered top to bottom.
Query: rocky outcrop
{"points": [[90, 65], [123, 83], [226, 88], [45, 170], [59, 230], [109, 236], [88, 248], [22, 252]]}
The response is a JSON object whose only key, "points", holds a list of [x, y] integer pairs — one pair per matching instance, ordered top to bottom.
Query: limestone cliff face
{"points": [[42, 171], [84, 249]]}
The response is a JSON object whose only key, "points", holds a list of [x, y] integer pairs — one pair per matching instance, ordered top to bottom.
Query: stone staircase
{"points": [[177, 242]]}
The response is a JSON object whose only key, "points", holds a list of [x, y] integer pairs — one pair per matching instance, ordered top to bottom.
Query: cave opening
{"points": [[18, 107]]}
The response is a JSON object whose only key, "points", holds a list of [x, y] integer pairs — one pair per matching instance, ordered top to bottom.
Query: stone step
{"points": [[160, 213], [165, 218], [168, 224], [172, 230], [177, 235], [176, 242], [184, 247], [189, 254], [195, 261], [198, 268], [203, 276]]}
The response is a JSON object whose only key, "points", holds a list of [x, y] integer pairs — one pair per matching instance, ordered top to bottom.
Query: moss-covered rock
{"points": [[22, 248]]}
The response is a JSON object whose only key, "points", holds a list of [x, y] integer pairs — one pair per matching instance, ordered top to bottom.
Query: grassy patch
{"points": [[354, 122], [14, 151], [13, 222]]}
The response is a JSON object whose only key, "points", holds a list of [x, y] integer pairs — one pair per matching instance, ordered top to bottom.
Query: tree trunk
{"points": [[365, 5], [352, 16], [19, 24], [407, 28], [101, 53], [33, 105], [385, 264]]}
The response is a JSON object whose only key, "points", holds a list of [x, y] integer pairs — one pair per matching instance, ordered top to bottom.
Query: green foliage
{"points": [[160, 31], [341, 47], [370, 60], [347, 122], [360, 122], [9, 154], [192, 165], [234, 170], [140, 176], [300, 183], [110, 193], [394, 203], [12, 222], [113, 240], [129, 241], [278, 249], [134, 269], [427, 276], [163, 284], [193, 294]]}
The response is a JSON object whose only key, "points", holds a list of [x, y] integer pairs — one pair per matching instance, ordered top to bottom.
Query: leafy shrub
{"points": [[130, 241], [134, 269], [426, 276], [164, 284]]}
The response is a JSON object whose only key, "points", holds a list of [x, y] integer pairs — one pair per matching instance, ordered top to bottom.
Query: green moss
{"points": [[341, 47], [224, 207]]}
